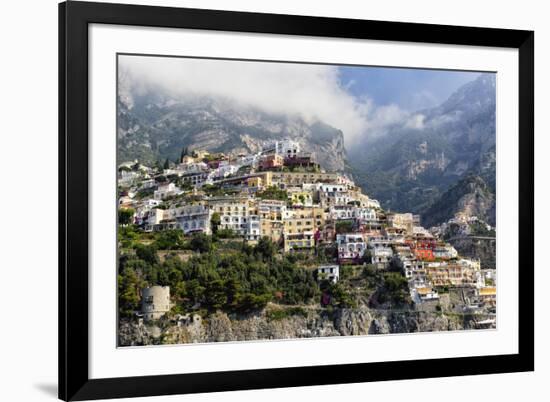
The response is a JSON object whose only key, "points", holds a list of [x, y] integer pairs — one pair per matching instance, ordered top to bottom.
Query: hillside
{"points": [[154, 125], [410, 168], [471, 196]]}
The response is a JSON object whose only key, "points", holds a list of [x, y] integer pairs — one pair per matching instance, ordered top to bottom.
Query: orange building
{"points": [[271, 161], [423, 249], [424, 254]]}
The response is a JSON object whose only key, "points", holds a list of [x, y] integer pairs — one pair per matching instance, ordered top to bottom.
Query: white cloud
{"points": [[312, 91], [415, 121]]}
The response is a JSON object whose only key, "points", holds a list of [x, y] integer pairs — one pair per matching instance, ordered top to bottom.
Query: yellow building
{"points": [[266, 178], [286, 179], [255, 181], [235, 212], [272, 213], [299, 220], [300, 226], [299, 241], [445, 274], [488, 295]]}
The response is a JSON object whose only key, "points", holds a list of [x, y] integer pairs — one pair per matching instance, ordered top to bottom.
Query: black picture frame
{"points": [[74, 18]]}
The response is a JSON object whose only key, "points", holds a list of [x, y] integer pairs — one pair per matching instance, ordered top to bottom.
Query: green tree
{"points": [[184, 152], [166, 164], [158, 166], [273, 193], [125, 216], [215, 222], [344, 227], [170, 240], [201, 243], [265, 248], [147, 253], [367, 256], [129, 286], [396, 288], [194, 290], [233, 290], [215, 294], [343, 296], [251, 302]]}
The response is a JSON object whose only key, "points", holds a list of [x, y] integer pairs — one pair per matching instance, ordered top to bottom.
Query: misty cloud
{"points": [[314, 92]]}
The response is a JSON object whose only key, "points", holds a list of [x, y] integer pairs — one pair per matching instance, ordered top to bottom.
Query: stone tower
{"points": [[155, 302]]}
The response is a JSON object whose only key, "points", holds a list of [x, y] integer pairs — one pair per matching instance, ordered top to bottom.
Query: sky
{"points": [[410, 89], [357, 100]]}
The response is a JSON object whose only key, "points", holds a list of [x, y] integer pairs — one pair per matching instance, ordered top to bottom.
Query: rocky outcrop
{"points": [[469, 197], [483, 249], [353, 322], [220, 327]]}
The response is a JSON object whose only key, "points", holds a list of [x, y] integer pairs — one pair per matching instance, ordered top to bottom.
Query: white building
{"points": [[288, 148], [249, 160], [224, 171], [127, 178], [195, 178], [149, 183], [331, 188], [165, 190], [333, 194], [150, 203], [371, 203], [272, 207], [342, 212], [234, 213], [366, 214], [153, 217], [194, 219], [252, 229], [351, 246], [445, 252], [381, 256], [328, 272], [422, 294]]}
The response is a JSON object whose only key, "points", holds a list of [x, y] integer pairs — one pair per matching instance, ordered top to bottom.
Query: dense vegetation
{"points": [[221, 272], [239, 280]]}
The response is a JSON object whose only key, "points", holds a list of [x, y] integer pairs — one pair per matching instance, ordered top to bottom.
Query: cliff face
{"points": [[153, 125], [410, 167], [469, 197], [483, 249], [219, 327]]}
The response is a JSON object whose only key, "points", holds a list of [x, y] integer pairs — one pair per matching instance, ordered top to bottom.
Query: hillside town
{"points": [[281, 193]]}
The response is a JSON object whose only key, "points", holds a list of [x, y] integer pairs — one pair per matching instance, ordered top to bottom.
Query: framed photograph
{"points": [[259, 201]]}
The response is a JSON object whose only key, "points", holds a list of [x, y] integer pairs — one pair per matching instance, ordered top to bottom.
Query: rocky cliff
{"points": [[154, 125], [470, 197], [220, 327]]}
